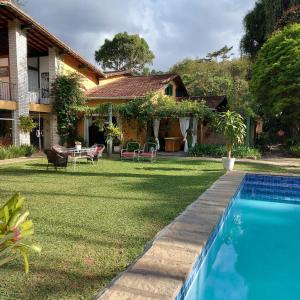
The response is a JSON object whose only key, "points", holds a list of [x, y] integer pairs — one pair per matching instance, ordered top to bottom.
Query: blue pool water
{"points": [[255, 254]]}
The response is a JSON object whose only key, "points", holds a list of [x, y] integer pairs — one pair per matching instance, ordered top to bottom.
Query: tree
{"points": [[291, 16], [260, 23], [124, 52], [222, 54], [276, 75], [204, 77], [68, 101], [231, 125]]}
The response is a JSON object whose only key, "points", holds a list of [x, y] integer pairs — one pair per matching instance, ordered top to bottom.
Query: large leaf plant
{"points": [[15, 228]]}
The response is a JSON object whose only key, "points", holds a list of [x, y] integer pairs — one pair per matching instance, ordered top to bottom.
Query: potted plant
{"points": [[26, 124], [231, 125], [113, 133], [78, 145], [117, 145]]}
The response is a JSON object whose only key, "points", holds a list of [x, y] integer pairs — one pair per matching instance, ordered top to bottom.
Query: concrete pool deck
{"points": [[165, 265]]}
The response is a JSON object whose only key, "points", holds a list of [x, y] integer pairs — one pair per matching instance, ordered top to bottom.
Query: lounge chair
{"points": [[131, 151], [149, 152], [95, 153], [56, 159]]}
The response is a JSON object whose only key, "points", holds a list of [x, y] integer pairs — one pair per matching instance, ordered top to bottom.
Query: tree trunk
{"points": [[229, 150]]}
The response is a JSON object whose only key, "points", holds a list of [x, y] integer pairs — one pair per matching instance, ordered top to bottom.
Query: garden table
{"points": [[79, 153]]}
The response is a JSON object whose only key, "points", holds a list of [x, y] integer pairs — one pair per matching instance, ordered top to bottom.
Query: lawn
{"points": [[94, 221]]}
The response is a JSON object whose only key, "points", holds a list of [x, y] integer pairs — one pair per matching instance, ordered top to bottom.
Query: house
{"points": [[31, 58], [124, 87]]}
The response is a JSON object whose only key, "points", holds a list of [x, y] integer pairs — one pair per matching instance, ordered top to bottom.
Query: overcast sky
{"points": [[174, 29]]}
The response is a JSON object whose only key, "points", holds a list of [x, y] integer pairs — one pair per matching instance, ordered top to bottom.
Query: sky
{"points": [[174, 29]]}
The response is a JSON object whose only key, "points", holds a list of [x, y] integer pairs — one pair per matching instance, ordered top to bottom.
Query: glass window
{"points": [[169, 90], [179, 92], [6, 114], [6, 129]]}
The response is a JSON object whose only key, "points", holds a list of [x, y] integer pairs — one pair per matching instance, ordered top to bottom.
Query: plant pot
{"points": [[78, 147], [117, 149], [228, 163]]}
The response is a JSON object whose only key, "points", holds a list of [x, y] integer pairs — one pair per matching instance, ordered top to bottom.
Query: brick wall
{"points": [[54, 70], [19, 75]]}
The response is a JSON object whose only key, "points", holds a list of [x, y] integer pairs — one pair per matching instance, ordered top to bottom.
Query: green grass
{"points": [[94, 221]]}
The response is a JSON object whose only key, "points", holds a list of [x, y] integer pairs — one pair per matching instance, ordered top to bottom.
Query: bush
{"points": [[295, 150], [16, 151], [220, 151]]}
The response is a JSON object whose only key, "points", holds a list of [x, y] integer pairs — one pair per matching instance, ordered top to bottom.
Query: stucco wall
{"points": [[70, 65]]}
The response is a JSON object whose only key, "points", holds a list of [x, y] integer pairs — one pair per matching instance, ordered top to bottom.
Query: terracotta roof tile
{"points": [[131, 87]]}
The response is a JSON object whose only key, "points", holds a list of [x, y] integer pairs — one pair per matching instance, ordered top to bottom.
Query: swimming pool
{"points": [[253, 254]]}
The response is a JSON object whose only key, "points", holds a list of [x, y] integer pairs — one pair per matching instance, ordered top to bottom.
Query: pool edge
{"points": [[161, 271]]}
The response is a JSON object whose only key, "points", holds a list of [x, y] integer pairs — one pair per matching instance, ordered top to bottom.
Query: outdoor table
{"points": [[78, 153]]}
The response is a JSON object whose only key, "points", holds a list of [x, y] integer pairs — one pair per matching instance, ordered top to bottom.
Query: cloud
{"points": [[174, 29]]}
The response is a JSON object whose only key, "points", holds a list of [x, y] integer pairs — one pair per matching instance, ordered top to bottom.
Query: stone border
{"points": [[165, 265]]}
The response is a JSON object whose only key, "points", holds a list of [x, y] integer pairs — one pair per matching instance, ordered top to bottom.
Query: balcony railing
{"points": [[7, 91], [39, 96]]}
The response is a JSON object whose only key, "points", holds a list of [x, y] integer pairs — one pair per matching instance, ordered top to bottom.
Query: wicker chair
{"points": [[131, 151], [149, 152], [96, 153], [56, 159]]}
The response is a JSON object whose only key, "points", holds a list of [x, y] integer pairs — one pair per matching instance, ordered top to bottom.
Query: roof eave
{"points": [[20, 14]]}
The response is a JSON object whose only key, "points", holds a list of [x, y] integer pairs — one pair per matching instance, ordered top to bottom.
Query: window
{"points": [[169, 90], [179, 92], [6, 127]]}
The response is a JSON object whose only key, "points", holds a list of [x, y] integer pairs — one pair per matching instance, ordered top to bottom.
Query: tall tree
{"points": [[260, 23], [124, 52], [276, 76], [204, 77]]}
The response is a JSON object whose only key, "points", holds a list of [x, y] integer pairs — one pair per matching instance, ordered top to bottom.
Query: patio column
{"points": [[18, 67], [54, 69], [86, 136], [110, 141]]}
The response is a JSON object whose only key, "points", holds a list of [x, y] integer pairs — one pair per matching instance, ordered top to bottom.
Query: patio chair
{"points": [[61, 150], [131, 151], [149, 152], [95, 153], [56, 159]]}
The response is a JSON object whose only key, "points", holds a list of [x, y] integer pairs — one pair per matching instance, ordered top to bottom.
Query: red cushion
{"points": [[130, 154], [146, 154]]}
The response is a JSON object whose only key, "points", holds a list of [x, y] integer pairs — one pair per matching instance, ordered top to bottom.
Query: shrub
{"points": [[295, 150], [16, 151], [220, 151], [14, 229]]}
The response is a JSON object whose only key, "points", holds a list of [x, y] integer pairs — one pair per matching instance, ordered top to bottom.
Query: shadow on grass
{"points": [[150, 202]]}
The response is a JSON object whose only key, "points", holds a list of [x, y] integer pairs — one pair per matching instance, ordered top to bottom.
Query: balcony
{"points": [[7, 91], [39, 96]]}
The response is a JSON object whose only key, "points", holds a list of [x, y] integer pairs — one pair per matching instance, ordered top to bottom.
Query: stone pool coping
{"points": [[160, 272]]}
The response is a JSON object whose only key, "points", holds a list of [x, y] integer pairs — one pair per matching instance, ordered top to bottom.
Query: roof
{"points": [[39, 35], [109, 74], [134, 87], [213, 102]]}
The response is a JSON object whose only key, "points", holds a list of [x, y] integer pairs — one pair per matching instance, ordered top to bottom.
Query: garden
{"points": [[91, 223]]}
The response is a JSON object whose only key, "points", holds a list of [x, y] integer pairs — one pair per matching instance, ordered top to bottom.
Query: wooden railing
{"points": [[7, 91]]}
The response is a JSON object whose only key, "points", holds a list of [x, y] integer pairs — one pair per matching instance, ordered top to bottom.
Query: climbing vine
{"points": [[69, 103]]}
